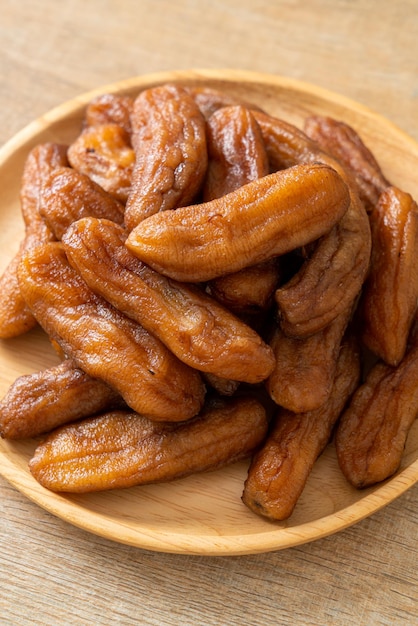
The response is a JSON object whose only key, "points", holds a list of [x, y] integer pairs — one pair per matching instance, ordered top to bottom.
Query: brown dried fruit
{"points": [[210, 100], [110, 108], [169, 138], [344, 143], [236, 152], [104, 154], [236, 157], [40, 162], [68, 195], [261, 220], [342, 260], [249, 290], [390, 294], [315, 296], [15, 317], [195, 327], [104, 343], [305, 368], [39, 402], [372, 432], [120, 449], [279, 471]]}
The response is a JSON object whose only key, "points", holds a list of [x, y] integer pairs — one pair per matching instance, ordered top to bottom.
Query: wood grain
{"points": [[54, 573]]}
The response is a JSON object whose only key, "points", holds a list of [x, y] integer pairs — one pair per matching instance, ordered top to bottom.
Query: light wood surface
{"points": [[54, 573]]}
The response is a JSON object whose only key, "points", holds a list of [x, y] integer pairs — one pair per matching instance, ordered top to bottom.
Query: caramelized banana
{"points": [[210, 100], [110, 108], [169, 138], [343, 142], [236, 152], [104, 154], [236, 157], [40, 162], [68, 195], [263, 219], [341, 264], [248, 291], [390, 293], [315, 295], [15, 317], [197, 329], [140, 342], [104, 343], [305, 368], [39, 402], [371, 435], [123, 449], [279, 471]]}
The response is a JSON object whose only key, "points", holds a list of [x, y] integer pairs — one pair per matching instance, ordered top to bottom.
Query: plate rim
{"points": [[199, 74], [376, 499]]}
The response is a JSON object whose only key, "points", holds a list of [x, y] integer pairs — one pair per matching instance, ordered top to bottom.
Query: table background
{"points": [[53, 573]]}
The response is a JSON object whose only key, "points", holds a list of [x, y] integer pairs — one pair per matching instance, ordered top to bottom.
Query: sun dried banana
{"points": [[210, 100], [110, 108], [169, 137], [343, 142], [236, 152], [104, 154], [236, 157], [40, 162], [68, 195], [261, 220], [270, 223], [342, 261], [248, 291], [390, 294], [315, 296], [15, 317], [197, 329], [104, 343], [305, 367], [40, 402], [371, 435], [121, 449], [279, 471]]}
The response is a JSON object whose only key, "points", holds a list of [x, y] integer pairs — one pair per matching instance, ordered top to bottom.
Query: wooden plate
{"points": [[202, 514]]}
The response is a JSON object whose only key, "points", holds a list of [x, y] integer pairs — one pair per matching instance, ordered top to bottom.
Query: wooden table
{"points": [[53, 573]]}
